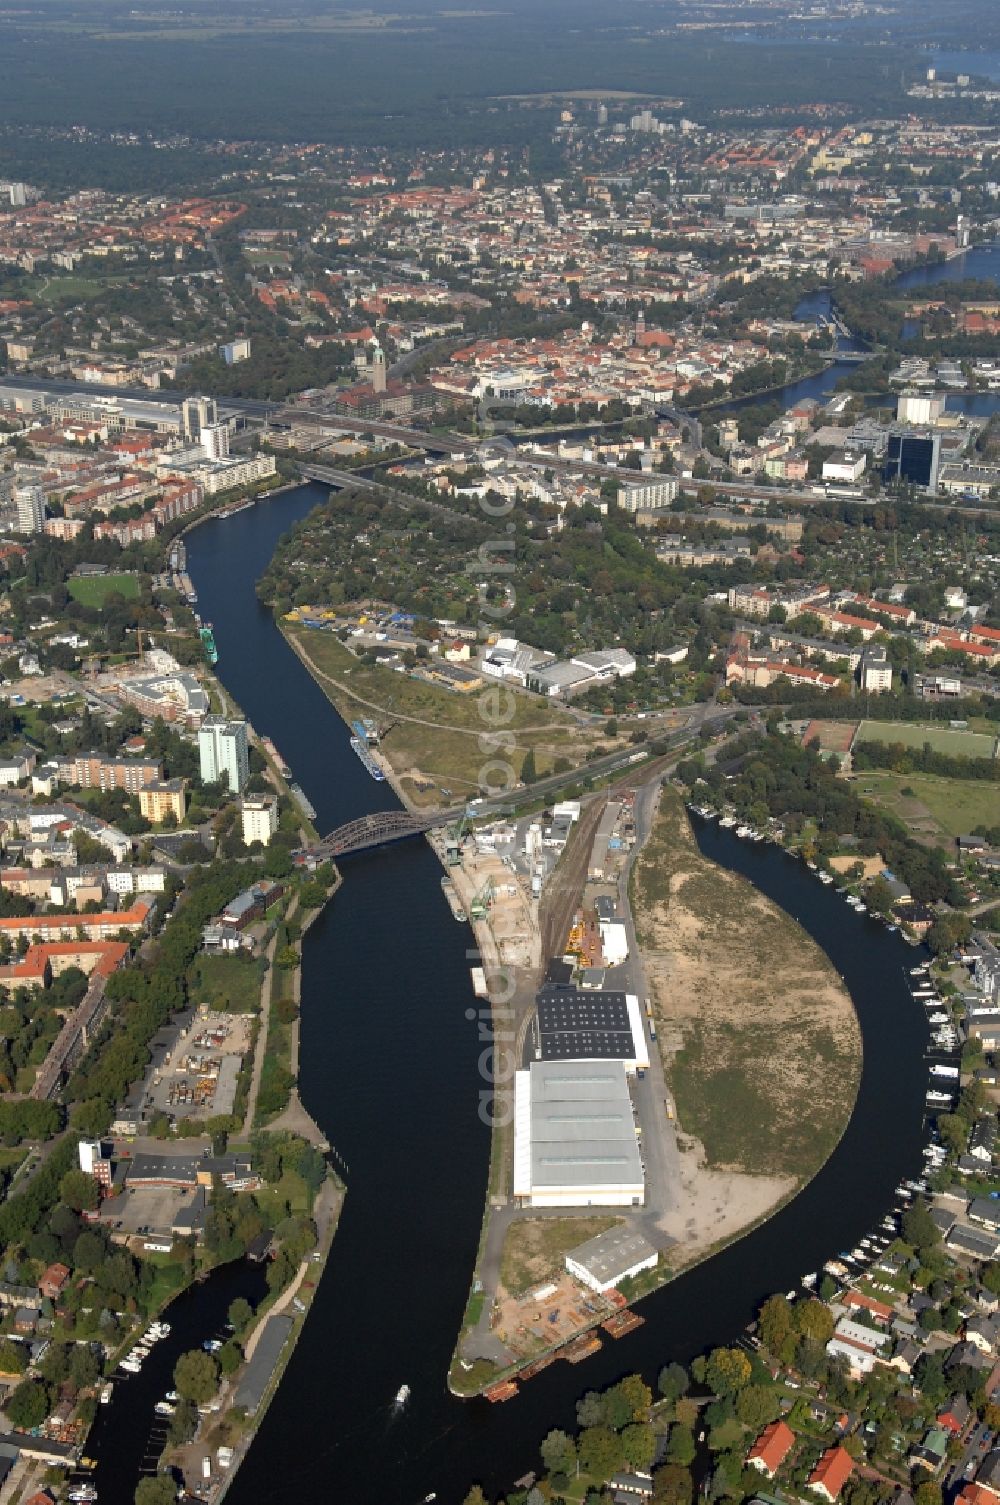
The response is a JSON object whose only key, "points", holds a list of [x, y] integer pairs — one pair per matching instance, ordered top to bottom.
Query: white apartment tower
{"points": [[215, 440], [30, 504], [224, 753], [260, 818]]}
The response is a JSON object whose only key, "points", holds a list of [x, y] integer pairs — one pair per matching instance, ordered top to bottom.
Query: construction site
{"points": [[552, 1314]]}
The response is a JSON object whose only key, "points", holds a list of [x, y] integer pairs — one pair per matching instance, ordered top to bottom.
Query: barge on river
{"points": [[360, 747]]}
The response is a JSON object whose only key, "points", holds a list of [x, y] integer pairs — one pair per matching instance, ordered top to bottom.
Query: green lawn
{"points": [[94, 590], [444, 738], [957, 744], [956, 806], [230, 984], [168, 1278]]}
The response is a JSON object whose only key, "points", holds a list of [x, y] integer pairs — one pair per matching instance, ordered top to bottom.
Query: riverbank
{"points": [[811, 370], [436, 742], [412, 964], [765, 1005], [759, 1037]]}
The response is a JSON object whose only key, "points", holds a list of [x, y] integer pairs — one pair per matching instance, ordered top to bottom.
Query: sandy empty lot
{"points": [[759, 1036]]}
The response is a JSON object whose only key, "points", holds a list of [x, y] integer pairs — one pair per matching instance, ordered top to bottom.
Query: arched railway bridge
{"points": [[377, 829]]}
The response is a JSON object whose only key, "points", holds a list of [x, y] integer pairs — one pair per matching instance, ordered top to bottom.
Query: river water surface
{"points": [[390, 1070]]}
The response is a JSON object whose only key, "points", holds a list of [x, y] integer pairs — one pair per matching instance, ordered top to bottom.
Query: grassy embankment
{"points": [[440, 748], [932, 808], [760, 1041]]}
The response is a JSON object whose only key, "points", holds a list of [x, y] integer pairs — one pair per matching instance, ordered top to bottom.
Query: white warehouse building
{"points": [[575, 1142], [605, 1261]]}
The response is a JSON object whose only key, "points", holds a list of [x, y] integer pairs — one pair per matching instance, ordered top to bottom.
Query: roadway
{"points": [[453, 443], [457, 443], [661, 1156], [974, 1448]]}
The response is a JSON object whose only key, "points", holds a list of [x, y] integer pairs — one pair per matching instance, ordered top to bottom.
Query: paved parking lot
{"points": [[152, 1208]]}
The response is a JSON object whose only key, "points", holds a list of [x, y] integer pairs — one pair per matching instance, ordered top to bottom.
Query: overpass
{"points": [[345, 423], [343, 480]]}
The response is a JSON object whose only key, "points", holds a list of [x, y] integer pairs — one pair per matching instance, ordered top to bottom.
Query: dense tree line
{"points": [[903, 759], [773, 775]]}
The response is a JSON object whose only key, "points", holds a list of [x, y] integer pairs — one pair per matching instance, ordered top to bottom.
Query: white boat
{"points": [[727, 821], [743, 830], [826, 877], [861, 908], [808, 1281], [131, 1366], [106, 1393], [402, 1396], [164, 1408]]}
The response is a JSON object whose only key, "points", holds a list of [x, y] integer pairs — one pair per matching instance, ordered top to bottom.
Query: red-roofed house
{"points": [[52, 1282], [877, 1309], [955, 1415], [771, 1448], [831, 1473], [977, 1494]]}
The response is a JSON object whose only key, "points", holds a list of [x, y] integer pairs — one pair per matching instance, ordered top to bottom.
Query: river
{"points": [[979, 262], [390, 1071]]}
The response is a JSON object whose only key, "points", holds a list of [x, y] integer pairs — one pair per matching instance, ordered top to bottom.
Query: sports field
{"points": [[94, 590], [832, 736], [941, 737]]}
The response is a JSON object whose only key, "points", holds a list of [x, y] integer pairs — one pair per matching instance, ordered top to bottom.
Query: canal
{"points": [[390, 1071]]}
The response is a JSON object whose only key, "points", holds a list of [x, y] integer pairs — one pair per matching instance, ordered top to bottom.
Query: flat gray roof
{"points": [[582, 1126], [610, 1254], [265, 1358]]}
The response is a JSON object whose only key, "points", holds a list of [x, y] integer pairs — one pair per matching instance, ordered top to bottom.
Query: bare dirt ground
{"points": [[759, 1037]]}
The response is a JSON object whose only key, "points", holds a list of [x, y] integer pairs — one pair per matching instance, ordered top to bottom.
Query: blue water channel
{"points": [[978, 262], [390, 1070]]}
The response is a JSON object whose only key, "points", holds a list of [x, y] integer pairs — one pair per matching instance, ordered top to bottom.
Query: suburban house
{"points": [[52, 1281], [771, 1448], [831, 1473]]}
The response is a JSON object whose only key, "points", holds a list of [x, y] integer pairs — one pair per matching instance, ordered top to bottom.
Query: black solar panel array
{"points": [[576, 1025]]}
